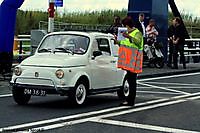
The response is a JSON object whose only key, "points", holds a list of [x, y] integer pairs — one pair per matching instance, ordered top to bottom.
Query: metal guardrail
{"points": [[60, 26], [193, 31], [20, 39], [191, 48]]}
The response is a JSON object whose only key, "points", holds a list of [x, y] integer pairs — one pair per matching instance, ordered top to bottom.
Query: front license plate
{"points": [[35, 92]]}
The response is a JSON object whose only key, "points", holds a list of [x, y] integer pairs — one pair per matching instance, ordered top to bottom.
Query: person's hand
{"points": [[124, 34], [115, 36], [115, 40], [175, 42]]}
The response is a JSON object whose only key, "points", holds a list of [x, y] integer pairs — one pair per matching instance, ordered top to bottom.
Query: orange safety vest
{"points": [[130, 57]]}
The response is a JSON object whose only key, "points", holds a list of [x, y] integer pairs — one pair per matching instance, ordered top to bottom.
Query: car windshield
{"points": [[74, 44]]}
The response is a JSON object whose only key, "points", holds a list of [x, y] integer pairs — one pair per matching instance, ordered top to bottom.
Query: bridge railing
{"points": [[60, 26], [193, 31], [24, 46], [191, 48]]}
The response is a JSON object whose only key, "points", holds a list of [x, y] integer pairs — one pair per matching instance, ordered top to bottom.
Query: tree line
{"points": [[28, 20]]}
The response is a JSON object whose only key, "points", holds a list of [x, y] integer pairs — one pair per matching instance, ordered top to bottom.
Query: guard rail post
{"points": [[20, 51]]}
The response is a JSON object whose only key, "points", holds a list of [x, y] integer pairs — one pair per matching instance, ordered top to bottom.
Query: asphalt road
{"points": [[163, 104]]}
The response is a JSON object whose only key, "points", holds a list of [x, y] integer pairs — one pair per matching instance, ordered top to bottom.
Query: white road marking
{"points": [[173, 76], [167, 83], [144, 87], [184, 87], [163, 88], [158, 92], [6, 95], [146, 108], [111, 109], [101, 111], [61, 118], [94, 119], [142, 126]]}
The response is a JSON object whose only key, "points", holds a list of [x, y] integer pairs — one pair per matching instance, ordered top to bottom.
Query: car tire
{"points": [[159, 63], [124, 91], [79, 93], [19, 96]]}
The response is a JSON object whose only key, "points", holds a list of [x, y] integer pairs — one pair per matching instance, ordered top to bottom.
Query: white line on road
{"points": [[167, 77], [181, 84], [144, 87], [184, 87], [163, 88], [158, 92], [6, 95], [142, 108], [100, 111], [128, 111], [93, 113], [61, 118], [63, 124], [142, 126]]}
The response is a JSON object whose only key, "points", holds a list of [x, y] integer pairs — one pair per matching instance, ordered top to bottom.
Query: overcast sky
{"points": [[186, 6]]}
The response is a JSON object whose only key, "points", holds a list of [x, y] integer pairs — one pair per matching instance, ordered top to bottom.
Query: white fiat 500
{"points": [[74, 64]]}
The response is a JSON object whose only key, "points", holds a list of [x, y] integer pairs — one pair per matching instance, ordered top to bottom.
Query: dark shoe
{"points": [[169, 65], [175, 67]]}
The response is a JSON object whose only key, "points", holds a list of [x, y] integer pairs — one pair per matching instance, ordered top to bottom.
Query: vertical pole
{"points": [[51, 11], [20, 51]]}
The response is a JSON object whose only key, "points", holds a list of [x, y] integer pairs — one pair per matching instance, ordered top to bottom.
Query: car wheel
{"points": [[151, 63], [159, 63], [124, 90], [79, 93], [19, 96]]}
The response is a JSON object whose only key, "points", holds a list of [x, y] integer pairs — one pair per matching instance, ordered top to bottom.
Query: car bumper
{"points": [[49, 89]]}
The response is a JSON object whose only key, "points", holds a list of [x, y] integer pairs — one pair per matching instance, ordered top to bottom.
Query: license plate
{"points": [[35, 92]]}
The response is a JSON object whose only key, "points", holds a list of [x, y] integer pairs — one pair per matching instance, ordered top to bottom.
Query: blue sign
{"points": [[59, 3]]}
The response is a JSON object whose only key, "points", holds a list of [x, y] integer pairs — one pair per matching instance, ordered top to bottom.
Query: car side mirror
{"points": [[96, 53]]}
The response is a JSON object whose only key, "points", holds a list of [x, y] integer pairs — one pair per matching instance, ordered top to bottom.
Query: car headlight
{"points": [[18, 71], [59, 73]]}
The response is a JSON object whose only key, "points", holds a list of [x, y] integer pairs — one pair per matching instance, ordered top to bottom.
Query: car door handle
{"points": [[113, 61]]}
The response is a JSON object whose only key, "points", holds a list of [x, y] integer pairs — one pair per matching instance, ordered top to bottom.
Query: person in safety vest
{"points": [[130, 57]]}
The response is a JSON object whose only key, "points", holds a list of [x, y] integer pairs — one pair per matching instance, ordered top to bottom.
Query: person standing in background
{"points": [[140, 25], [113, 29], [170, 34], [178, 42]]}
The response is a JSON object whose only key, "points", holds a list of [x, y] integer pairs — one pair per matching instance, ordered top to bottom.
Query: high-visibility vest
{"points": [[129, 44], [130, 55]]}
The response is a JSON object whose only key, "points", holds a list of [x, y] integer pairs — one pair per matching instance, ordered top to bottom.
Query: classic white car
{"points": [[71, 63]]}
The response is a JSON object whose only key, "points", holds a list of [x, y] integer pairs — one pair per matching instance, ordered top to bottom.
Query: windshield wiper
{"points": [[44, 50], [65, 50]]}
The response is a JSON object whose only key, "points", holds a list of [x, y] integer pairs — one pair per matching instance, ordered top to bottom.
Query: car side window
{"points": [[104, 46]]}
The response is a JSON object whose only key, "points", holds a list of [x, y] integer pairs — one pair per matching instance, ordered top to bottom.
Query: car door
{"points": [[102, 66], [97, 67], [118, 74]]}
